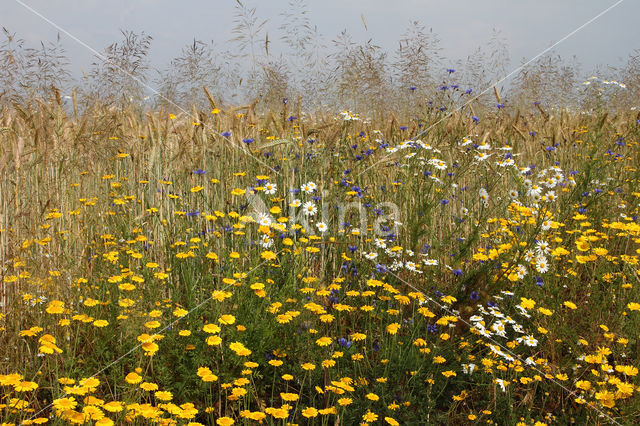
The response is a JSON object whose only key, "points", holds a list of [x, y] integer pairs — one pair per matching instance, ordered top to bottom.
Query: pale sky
{"points": [[528, 26]]}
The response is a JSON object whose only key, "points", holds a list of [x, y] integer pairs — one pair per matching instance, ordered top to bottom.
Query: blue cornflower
{"points": [[344, 342]]}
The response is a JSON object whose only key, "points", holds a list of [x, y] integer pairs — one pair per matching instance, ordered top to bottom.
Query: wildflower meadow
{"points": [[440, 262]]}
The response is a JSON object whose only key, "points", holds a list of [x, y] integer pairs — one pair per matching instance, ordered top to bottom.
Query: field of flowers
{"points": [[234, 267]]}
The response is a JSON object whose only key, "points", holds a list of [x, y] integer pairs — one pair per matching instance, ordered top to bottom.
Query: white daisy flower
{"points": [[482, 156], [438, 164], [308, 187], [270, 188], [484, 195], [551, 196], [309, 208], [264, 219], [322, 227], [266, 241], [380, 243], [543, 247], [541, 264], [412, 267], [521, 272], [468, 368], [502, 384]]}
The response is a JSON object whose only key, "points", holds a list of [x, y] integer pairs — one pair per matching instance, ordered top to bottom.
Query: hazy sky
{"points": [[528, 26]]}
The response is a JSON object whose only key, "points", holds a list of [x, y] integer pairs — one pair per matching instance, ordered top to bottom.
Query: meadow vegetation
{"points": [[352, 248]]}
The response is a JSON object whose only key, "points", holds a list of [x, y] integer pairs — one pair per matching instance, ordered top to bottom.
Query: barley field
{"points": [[415, 257]]}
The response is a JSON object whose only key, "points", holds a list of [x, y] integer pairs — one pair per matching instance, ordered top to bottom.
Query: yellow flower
{"points": [[582, 245], [268, 255], [212, 256], [220, 295], [448, 299], [527, 303], [570, 305], [633, 306], [55, 307], [545, 311], [179, 312], [227, 319], [100, 323], [152, 324], [211, 328], [393, 328], [356, 337], [214, 340], [324, 341], [239, 349], [328, 363], [308, 366], [133, 378], [583, 384], [25, 386], [148, 386], [164, 395], [289, 396], [372, 397], [606, 398], [345, 401], [64, 404], [113, 406], [309, 412], [278, 413], [370, 417], [225, 421], [391, 421]]}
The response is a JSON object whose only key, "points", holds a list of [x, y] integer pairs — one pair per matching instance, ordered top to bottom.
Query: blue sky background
{"points": [[527, 26]]}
